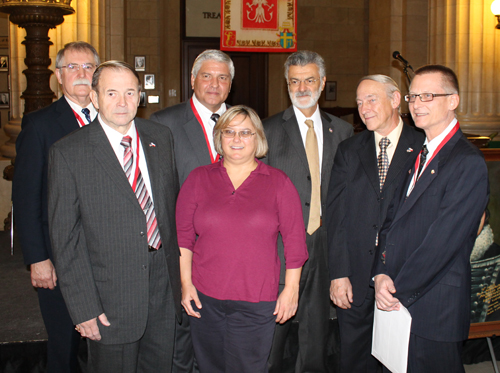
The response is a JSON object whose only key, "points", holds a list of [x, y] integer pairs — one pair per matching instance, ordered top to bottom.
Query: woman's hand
{"points": [[189, 293], [287, 304]]}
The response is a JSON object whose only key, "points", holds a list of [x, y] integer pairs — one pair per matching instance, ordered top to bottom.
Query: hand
{"points": [[43, 275], [384, 288], [341, 292], [189, 293], [287, 304], [90, 329]]}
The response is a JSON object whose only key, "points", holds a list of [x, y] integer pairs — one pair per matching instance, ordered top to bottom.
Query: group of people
{"points": [[192, 241]]}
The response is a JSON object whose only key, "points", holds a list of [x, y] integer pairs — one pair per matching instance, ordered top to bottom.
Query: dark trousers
{"points": [[312, 315], [356, 326], [232, 336], [63, 341], [153, 351], [426, 356], [184, 360]]}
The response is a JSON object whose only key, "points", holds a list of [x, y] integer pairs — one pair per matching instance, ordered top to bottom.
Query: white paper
{"points": [[391, 337]]}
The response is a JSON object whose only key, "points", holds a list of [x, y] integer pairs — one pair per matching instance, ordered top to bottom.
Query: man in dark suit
{"points": [[75, 64], [192, 124], [300, 129], [365, 173], [112, 192], [423, 258]]}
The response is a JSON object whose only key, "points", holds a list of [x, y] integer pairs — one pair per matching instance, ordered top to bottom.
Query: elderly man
{"points": [[75, 64], [302, 142], [365, 174], [112, 191], [423, 258]]}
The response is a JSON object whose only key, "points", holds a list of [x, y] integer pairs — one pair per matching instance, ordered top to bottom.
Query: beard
{"points": [[313, 98]]}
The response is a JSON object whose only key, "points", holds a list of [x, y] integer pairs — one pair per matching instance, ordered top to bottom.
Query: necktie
{"points": [[86, 112], [215, 117], [423, 158], [313, 161], [383, 161], [142, 194]]}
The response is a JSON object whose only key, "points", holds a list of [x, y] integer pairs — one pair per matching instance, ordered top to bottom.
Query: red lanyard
{"points": [[79, 119], [216, 159], [136, 173]]}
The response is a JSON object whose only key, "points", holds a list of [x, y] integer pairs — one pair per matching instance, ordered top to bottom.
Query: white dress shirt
{"points": [[78, 109], [208, 123]]}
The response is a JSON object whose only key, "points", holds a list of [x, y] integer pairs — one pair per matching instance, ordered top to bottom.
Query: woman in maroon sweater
{"points": [[229, 215]]}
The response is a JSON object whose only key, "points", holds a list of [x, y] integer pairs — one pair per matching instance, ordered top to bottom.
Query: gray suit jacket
{"points": [[191, 149], [97, 228]]}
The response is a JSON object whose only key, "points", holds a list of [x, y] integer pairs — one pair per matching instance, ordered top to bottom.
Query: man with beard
{"points": [[75, 64], [302, 142]]}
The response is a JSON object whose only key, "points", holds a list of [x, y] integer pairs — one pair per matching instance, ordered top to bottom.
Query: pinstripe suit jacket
{"points": [[97, 228]]}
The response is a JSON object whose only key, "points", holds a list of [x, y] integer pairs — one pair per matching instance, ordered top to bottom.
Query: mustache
{"points": [[82, 81], [303, 94]]}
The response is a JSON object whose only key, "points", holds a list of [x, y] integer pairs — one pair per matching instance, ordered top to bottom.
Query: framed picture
{"points": [[4, 63], [140, 63], [149, 81], [331, 91], [4, 100], [142, 101]]}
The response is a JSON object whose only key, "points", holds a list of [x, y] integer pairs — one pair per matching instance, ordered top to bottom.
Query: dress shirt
{"points": [[78, 109], [208, 123], [318, 128], [115, 138], [393, 138], [235, 256]]}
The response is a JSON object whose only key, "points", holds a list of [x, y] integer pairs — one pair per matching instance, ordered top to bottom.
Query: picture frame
{"points": [[4, 63], [139, 63], [149, 81], [331, 91], [4, 100], [143, 101]]}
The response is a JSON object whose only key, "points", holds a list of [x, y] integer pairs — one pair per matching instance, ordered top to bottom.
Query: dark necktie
{"points": [[86, 112], [215, 117], [423, 158], [383, 161], [141, 192]]}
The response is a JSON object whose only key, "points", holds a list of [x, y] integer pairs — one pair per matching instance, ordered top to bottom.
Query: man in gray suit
{"points": [[192, 124], [302, 142], [112, 191]]}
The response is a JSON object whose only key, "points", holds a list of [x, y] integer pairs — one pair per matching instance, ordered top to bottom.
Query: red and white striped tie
{"points": [[142, 194]]}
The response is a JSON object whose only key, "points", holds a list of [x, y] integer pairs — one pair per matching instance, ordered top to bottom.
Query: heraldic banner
{"points": [[259, 26]]}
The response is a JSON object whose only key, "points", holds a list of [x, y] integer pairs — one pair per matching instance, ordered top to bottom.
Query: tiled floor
{"points": [[484, 367]]}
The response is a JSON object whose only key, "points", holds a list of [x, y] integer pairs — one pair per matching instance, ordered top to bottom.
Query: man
{"points": [[75, 64], [192, 124], [302, 142], [365, 174], [112, 191], [423, 258]]}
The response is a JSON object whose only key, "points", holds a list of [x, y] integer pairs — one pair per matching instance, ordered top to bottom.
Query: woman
{"points": [[237, 207]]}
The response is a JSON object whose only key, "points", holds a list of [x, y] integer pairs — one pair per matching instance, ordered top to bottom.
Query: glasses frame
{"points": [[78, 67], [309, 82], [407, 97], [236, 133]]}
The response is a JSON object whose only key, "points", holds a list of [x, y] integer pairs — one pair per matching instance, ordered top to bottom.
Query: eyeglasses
{"points": [[74, 67], [208, 77], [296, 82], [425, 97], [230, 134]]}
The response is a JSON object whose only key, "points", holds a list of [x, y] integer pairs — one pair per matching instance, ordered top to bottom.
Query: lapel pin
{"points": [[330, 129], [152, 145], [409, 150], [409, 171], [433, 172]]}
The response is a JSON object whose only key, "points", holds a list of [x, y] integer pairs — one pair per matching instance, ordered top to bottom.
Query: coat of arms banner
{"points": [[259, 26]]}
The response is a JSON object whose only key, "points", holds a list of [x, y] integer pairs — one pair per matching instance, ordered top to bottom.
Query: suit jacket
{"points": [[40, 129], [191, 149], [287, 152], [356, 207], [98, 229], [428, 238]]}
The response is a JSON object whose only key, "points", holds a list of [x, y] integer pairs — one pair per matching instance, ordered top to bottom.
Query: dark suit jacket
{"points": [[40, 129], [191, 149], [287, 152], [356, 207], [98, 229], [428, 238]]}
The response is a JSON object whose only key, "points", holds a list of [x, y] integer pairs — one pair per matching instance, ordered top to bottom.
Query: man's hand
{"points": [[43, 275], [384, 288], [341, 292], [287, 304], [90, 329]]}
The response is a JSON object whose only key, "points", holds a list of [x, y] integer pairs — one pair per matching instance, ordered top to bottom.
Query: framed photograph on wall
{"points": [[4, 63], [140, 63], [149, 81], [331, 91], [4, 100], [142, 101]]}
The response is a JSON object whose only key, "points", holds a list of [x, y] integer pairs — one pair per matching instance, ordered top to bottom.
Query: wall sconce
{"points": [[495, 9]]}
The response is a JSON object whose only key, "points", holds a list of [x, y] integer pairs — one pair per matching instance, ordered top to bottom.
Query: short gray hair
{"points": [[79, 46], [213, 55], [302, 58], [114, 65], [390, 84]]}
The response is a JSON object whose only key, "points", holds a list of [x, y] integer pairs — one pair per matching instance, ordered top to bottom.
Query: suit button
{"points": [[309, 177], [378, 199], [307, 203], [375, 226], [142, 234], [371, 252], [144, 267]]}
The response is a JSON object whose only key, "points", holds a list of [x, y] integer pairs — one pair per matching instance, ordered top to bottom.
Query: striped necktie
{"points": [[86, 112]]}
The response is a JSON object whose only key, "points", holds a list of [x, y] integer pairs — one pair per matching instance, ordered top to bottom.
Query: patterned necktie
{"points": [[86, 112], [215, 117], [423, 158], [313, 161], [383, 161], [142, 194]]}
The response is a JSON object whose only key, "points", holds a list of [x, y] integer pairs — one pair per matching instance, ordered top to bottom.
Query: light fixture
{"points": [[495, 9]]}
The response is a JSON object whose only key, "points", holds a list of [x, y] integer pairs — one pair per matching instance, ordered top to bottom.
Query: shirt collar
{"points": [[78, 109], [204, 111], [301, 118], [115, 136], [393, 136], [434, 143], [261, 167]]}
